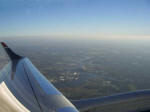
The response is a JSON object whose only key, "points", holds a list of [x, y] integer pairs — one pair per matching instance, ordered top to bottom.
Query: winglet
{"points": [[4, 44], [11, 54]]}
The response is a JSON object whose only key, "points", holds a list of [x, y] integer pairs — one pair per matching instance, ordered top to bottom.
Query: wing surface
{"points": [[24, 89]]}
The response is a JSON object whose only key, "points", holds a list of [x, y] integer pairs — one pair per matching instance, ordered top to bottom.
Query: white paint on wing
{"points": [[8, 102]]}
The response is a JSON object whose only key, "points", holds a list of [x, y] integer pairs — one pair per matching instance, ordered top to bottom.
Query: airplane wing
{"points": [[24, 89]]}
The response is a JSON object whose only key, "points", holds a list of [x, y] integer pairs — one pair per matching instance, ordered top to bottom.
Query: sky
{"points": [[75, 17]]}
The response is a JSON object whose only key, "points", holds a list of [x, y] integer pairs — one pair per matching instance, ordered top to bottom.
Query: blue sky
{"points": [[74, 17]]}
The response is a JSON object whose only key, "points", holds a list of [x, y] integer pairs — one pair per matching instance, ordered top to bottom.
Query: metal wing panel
{"points": [[20, 92], [15, 93], [49, 98]]}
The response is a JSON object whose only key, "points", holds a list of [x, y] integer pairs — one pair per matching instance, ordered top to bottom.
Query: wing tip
{"points": [[4, 44], [11, 54]]}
